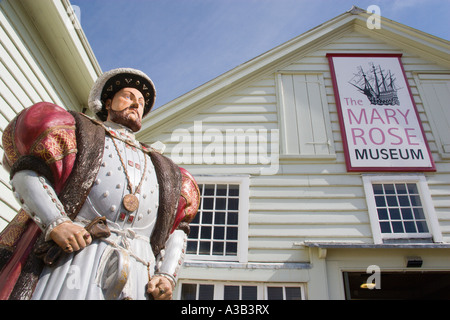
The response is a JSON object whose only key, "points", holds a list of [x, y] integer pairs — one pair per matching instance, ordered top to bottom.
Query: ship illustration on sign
{"points": [[377, 85]]}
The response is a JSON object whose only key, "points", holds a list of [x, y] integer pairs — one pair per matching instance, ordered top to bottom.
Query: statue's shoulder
{"points": [[41, 117], [31, 125]]}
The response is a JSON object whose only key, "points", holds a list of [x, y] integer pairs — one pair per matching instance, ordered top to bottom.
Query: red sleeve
{"points": [[47, 132], [189, 200]]}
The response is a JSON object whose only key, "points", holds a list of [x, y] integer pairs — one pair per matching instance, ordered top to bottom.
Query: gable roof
{"points": [[423, 44]]}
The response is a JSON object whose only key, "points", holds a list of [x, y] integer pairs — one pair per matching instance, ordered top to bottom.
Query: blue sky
{"points": [[182, 44]]}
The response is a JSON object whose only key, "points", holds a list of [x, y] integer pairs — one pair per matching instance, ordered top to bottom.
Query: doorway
{"points": [[397, 286]]}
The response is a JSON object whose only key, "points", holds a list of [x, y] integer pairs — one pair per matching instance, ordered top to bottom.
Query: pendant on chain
{"points": [[130, 202]]}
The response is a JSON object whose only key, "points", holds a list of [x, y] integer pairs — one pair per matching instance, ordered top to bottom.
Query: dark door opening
{"points": [[397, 286]]}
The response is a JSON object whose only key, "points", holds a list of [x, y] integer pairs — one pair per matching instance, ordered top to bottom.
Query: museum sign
{"points": [[380, 125]]}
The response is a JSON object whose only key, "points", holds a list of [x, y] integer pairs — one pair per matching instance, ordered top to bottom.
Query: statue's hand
{"points": [[71, 237], [160, 288]]}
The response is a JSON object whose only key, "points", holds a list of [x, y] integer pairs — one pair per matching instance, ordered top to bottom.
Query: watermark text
{"points": [[233, 146]]}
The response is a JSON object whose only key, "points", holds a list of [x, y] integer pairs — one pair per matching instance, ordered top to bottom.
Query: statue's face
{"points": [[126, 108]]}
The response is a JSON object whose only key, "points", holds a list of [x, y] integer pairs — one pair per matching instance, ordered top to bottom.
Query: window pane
{"points": [[401, 188], [412, 188], [209, 189], [378, 189], [389, 189], [221, 190], [233, 190], [392, 201], [404, 201], [415, 201], [380, 202], [208, 203], [221, 203], [233, 204], [418, 213], [383, 214], [394, 214], [407, 214], [207, 217], [219, 218], [232, 218], [422, 226], [385, 227], [397, 227], [410, 227], [193, 232], [205, 233], [219, 233], [232, 233], [191, 247], [205, 247], [218, 248], [231, 249], [188, 291], [206, 292], [231, 293], [249, 293], [274, 293], [293, 293]]}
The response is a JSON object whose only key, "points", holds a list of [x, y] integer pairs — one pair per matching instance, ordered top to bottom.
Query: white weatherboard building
{"points": [[44, 57], [285, 214]]}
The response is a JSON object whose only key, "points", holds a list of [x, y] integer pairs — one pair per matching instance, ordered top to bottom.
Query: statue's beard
{"points": [[125, 118]]}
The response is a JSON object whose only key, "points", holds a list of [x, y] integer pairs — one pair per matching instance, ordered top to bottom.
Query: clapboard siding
{"points": [[28, 75], [251, 109], [308, 199], [307, 218]]}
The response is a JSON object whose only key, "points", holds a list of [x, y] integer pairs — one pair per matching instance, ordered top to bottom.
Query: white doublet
{"points": [[105, 198]]}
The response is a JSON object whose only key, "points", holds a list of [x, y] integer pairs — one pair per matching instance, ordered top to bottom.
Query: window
{"points": [[434, 90], [304, 116], [400, 209], [219, 230], [191, 291], [240, 291], [284, 293]]}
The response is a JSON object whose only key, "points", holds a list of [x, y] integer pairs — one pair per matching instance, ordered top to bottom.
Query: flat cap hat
{"points": [[109, 83]]}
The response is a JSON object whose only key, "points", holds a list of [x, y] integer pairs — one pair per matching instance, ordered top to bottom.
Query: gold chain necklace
{"points": [[130, 201]]}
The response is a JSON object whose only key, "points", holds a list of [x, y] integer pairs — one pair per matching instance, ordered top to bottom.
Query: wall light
{"points": [[414, 262], [369, 286]]}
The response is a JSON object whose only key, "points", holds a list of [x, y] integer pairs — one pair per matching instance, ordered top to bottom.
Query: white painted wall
{"points": [[311, 197]]}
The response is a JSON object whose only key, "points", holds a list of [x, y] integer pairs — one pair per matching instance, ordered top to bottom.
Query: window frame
{"points": [[427, 205], [243, 211], [261, 288]]}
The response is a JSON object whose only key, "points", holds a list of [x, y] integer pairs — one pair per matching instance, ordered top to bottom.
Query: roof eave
{"points": [[63, 35]]}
